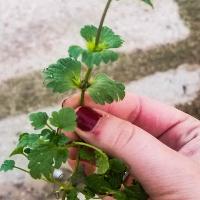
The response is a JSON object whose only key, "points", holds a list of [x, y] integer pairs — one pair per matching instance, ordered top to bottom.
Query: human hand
{"points": [[160, 144]]}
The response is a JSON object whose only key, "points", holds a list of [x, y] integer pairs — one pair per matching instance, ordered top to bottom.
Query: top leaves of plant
{"points": [[148, 2], [108, 39], [95, 55], [93, 58], [64, 75], [105, 90], [64, 119], [38, 120], [7, 165]]}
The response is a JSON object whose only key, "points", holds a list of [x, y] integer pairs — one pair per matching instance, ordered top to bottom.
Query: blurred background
{"points": [[160, 58]]}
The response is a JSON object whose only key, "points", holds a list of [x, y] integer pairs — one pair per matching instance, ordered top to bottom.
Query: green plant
{"points": [[47, 149]]}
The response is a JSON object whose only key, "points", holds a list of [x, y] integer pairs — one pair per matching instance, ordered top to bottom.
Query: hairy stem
{"points": [[101, 23], [88, 74], [85, 82], [50, 127], [19, 168]]}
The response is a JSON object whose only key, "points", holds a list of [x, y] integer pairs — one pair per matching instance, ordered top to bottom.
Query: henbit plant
{"points": [[46, 150]]}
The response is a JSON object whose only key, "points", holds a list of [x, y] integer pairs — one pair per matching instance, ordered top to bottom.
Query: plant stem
{"points": [[101, 23], [88, 74], [85, 82], [50, 127], [87, 145], [77, 161], [22, 169], [64, 195]]}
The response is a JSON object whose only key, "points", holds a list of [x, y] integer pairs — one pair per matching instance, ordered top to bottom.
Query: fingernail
{"points": [[87, 118]]}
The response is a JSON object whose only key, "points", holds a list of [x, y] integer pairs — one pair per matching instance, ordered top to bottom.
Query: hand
{"points": [[160, 144]]}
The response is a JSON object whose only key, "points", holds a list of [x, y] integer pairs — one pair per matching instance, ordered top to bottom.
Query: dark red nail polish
{"points": [[87, 118]]}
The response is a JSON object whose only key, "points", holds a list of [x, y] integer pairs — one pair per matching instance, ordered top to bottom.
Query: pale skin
{"points": [[160, 144]]}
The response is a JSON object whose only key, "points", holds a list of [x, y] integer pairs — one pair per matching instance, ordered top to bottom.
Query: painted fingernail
{"points": [[87, 118]]}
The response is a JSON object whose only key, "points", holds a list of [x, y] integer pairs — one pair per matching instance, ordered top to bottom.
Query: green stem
{"points": [[101, 23], [88, 74], [85, 82], [50, 127], [87, 145], [77, 161], [19, 168], [64, 195]]}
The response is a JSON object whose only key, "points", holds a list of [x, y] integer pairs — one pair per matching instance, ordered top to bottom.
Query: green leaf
{"points": [[148, 2], [108, 39], [75, 51], [93, 55], [92, 58], [63, 76], [105, 90], [64, 119], [38, 120], [62, 140], [25, 141], [86, 154], [45, 158], [102, 162], [7, 165], [117, 166], [97, 183], [135, 192], [88, 193], [72, 194], [120, 195]]}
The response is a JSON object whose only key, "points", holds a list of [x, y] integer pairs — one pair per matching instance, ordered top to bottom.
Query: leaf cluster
{"points": [[68, 73]]}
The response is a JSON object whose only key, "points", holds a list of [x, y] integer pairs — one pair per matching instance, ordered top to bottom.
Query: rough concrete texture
{"points": [[33, 34], [172, 87]]}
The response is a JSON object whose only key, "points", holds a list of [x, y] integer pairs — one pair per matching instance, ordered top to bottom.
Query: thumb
{"points": [[158, 168]]}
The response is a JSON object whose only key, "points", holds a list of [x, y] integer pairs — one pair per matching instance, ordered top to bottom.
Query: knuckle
{"points": [[124, 134]]}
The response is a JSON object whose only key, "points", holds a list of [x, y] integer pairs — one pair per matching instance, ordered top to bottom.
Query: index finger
{"points": [[154, 117]]}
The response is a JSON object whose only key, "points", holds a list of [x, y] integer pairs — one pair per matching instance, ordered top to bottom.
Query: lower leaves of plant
{"points": [[47, 148]]}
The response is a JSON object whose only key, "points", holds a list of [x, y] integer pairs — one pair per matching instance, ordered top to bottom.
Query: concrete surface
{"points": [[34, 34]]}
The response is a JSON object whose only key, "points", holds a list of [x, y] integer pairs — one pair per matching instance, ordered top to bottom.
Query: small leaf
{"points": [[148, 2], [108, 39], [75, 51], [95, 55], [92, 58], [63, 76], [105, 90], [64, 119], [38, 120], [25, 141], [86, 154], [45, 158], [102, 162], [7, 165], [117, 166], [97, 183], [135, 192], [72, 194], [120, 195]]}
